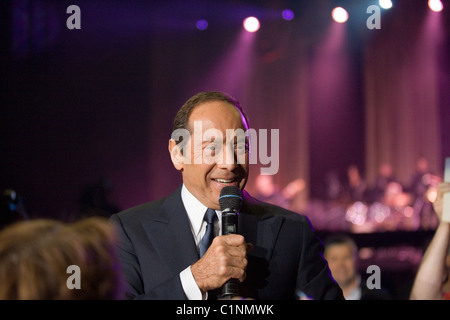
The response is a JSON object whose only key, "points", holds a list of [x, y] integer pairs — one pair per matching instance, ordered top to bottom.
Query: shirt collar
{"points": [[194, 208], [355, 294]]}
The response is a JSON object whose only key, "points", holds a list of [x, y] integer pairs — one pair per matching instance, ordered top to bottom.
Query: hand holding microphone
{"points": [[226, 258]]}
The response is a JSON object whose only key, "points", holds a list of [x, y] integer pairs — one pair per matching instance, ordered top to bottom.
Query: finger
{"points": [[444, 187], [233, 239], [221, 246], [222, 252], [233, 252], [235, 262], [236, 273]]}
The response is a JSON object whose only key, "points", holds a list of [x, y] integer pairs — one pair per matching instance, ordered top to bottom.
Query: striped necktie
{"points": [[210, 217]]}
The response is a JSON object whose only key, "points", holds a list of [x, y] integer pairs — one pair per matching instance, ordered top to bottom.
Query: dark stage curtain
{"points": [[401, 73]]}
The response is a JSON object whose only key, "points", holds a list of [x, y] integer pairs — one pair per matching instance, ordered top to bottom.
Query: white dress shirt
{"points": [[195, 211], [355, 294]]}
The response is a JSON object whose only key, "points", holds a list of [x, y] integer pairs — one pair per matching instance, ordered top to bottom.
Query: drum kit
{"points": [[396, 210]]}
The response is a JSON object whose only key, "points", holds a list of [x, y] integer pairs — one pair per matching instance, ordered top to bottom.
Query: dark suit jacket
{"points": [[156, 244]]}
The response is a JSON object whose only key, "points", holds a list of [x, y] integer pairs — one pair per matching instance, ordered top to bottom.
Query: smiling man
{"points": [[213, 146], [275, 254]]}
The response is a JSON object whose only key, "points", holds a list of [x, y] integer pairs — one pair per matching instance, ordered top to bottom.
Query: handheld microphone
{"points": [[230, 202]]}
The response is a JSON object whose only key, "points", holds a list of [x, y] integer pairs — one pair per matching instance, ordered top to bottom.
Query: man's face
{"points": [[214, 157], [341, 262]]}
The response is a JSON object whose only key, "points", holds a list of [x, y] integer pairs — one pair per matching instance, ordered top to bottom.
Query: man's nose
{"points": [[228, 159]]}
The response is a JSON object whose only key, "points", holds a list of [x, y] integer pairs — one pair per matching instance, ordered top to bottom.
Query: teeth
{"points": [[224, 181]]}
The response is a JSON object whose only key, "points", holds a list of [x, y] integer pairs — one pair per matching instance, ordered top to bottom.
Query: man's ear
{"points": [[176, 155]]}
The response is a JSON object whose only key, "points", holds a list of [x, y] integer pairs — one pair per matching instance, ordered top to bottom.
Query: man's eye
{"points": [[212, 147], [242, 147]]}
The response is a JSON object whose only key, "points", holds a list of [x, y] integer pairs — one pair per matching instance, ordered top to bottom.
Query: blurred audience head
{"points": [[422, 165], [385, 170], [353, 174], [341, 252], [35, 256]]}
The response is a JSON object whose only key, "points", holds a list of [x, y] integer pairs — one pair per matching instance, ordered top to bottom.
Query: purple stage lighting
{"points": [[288, 14], [202, 24]]}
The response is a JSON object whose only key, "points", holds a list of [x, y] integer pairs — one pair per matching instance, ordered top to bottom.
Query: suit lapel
{"points": [[259, 227], [170, 233], [262, 233]]}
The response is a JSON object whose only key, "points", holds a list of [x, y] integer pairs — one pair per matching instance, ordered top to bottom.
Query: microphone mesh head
{"points": [[230, 198]]}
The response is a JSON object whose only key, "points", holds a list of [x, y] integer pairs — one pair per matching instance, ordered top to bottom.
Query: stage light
{"points": [[385, 4], [435, 5], [288, 14], [339, 14], [202, 24], [251, 24]]}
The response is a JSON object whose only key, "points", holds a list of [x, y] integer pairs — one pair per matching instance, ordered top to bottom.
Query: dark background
{"points": [[83, 105], [94, 107]]}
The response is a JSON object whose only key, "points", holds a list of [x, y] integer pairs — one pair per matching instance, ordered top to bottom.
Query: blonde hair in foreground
{"points": [[35, 254]]}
